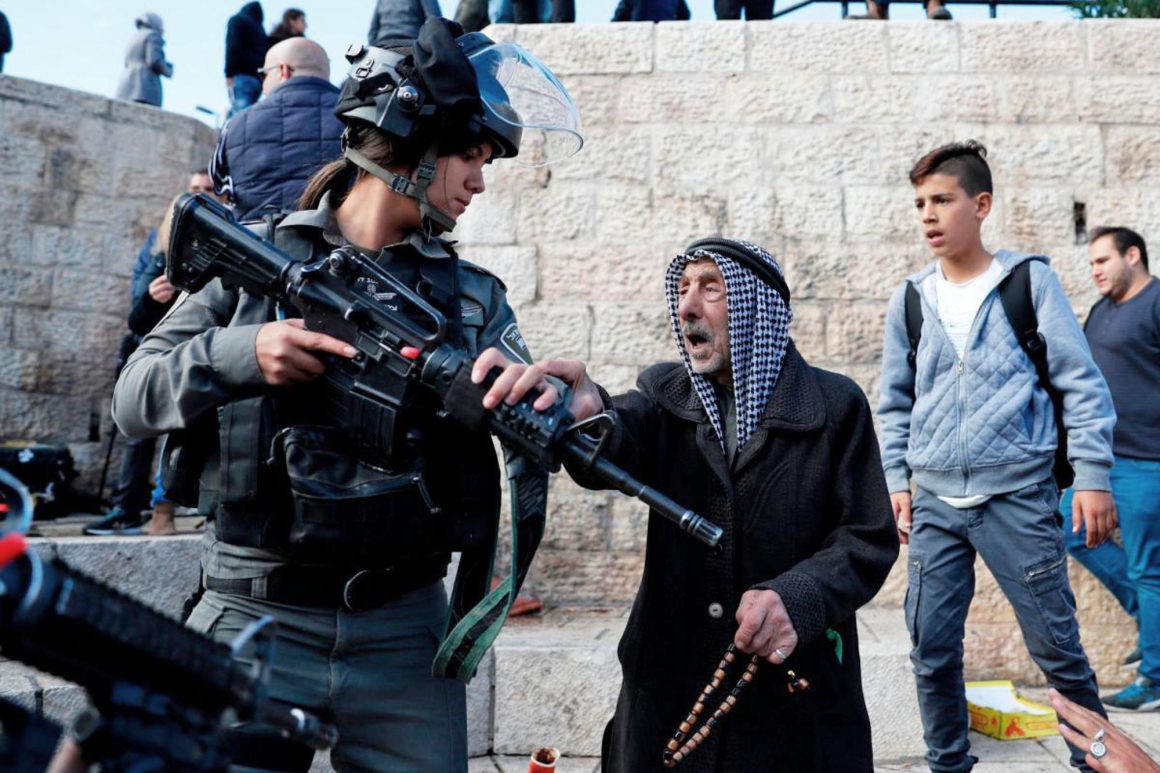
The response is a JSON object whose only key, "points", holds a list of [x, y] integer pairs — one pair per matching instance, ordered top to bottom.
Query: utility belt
{"points": [[333, 587]]}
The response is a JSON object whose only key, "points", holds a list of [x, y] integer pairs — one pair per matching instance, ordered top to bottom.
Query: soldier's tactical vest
{"points": [[279, 471]]}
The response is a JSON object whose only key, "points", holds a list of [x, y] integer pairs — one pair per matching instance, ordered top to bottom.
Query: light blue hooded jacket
{"points": [[984, 425]]}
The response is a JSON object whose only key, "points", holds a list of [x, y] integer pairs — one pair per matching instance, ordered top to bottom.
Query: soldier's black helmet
{"points": [[458, 89]]}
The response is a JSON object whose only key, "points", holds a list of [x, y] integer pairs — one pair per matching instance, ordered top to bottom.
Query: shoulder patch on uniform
{"points": [[481, 270], [513, 340]]}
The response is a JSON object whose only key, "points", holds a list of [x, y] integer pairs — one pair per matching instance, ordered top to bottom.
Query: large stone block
{"points": [[1122, 45], [710, 46], [788, 46], [1019, 46], [919, 47], [574, 49], [790, 98], [879, 98], [596, 99], [668, 99], [1037, 99], [1123, 99], [674, 148], [620, 154], [810, 154], [1039, 155], [1133, 155], [804, 211], [881, 212], [555, 213], [623, 213], [1039, 216], [683, 217], [491, 219], [626, 270], [845, 270], [557, 330], [808, 330], [631, 334], [855, 335], [18, 369], [43, 417], [577, 519], [628, 525], [159, 572], [568, 577], [555, 688], [481, 707]]}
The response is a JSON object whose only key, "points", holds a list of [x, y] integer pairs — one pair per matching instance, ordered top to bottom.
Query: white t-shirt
{"points": [[957, 306]]}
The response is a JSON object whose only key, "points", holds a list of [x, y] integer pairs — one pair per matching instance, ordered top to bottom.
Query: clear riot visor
{"points": [[517, 89]]}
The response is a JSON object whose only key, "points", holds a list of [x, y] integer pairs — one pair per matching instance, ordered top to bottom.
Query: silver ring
{"points": [[781, 654], [1100, 734], [1098, 750]]}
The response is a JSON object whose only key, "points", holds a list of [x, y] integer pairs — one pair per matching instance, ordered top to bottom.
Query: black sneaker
{"points": [[118, 523]]}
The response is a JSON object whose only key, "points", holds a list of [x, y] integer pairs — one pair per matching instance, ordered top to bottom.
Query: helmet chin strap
{"points": [[435, 220]]}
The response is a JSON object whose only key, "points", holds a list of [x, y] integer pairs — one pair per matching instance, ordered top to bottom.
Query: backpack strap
{"points": [[1015, 295], [913, 308]]}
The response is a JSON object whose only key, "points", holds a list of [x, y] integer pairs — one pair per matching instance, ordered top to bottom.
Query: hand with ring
{"points": [[764, 627], [1108, 749]]}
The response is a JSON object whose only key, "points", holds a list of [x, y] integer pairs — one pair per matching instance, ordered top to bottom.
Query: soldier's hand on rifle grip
{"points": [[284, 351], [515, 381]]}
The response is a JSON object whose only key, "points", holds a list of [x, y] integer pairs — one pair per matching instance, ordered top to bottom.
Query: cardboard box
{"points": [[998, 711]]}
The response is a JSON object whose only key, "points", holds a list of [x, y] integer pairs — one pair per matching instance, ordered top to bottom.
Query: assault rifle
{"points": [[400, 342], [162, 696]]}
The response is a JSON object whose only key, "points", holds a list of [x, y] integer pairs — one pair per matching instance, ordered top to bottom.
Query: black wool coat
{"points": [[805, 512]]}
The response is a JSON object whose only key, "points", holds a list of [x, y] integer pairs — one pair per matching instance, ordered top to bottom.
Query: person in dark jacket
{"points": [[754, 9], [651, 10], [400, 19], [293, 25], [5, 39], [246, 45], [145, 63], [266, 155], [151, 294], [783, 458]]}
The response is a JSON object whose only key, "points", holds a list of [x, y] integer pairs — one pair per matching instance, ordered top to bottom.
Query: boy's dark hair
{"points": [[965, 161], [1123, 239]]}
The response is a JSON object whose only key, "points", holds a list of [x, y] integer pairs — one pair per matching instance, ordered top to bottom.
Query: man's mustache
{"points": [[698, 329]]}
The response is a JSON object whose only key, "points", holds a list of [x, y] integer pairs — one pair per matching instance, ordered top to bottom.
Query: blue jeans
{"points": [[245, 92], [1018, 536], [1131, 572]]}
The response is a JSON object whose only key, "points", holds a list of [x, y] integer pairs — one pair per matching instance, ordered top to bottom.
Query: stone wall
{"points": [[799, 136], [85, 178]]}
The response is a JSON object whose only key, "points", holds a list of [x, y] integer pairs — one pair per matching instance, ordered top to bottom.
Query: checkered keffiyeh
{"points": [[758, 337]]}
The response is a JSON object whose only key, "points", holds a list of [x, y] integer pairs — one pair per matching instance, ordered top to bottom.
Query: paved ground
{"points": [[1023, 756]]}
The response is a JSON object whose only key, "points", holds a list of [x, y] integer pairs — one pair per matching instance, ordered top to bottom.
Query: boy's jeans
{"points": [[247, 89], [1018, 535], [1131, 573]]}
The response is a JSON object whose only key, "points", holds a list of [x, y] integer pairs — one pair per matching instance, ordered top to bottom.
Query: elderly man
{"points": [[266, 154], [783, 457]]}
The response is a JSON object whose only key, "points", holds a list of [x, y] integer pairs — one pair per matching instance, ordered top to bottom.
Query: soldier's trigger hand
{"points": [[285, 352], [515, 381]]}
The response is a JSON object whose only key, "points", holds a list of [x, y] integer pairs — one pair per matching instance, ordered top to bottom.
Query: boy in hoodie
{"points": [[970, 422]]}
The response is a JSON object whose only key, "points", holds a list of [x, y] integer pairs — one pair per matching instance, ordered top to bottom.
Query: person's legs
{"points": [[727, 9], [756, 10], [526, 11], [563, 11], [245, 92], [1136, 487], [131, 495], [162, 523], [1019, 537], [1107, 562], [941, 583], [299, 676], [391, 713]]}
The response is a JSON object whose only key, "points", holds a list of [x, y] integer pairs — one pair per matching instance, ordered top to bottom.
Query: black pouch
{"points": [[344, 503]]}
